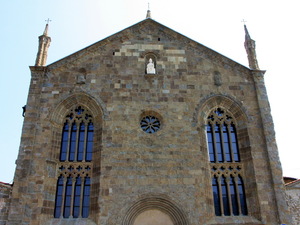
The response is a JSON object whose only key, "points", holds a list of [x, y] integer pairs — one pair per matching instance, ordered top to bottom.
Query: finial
{"points": [[148, 12], [48, 21], [244, 21], [46, 28], [247, 35], [44, 43], [250, 49]]}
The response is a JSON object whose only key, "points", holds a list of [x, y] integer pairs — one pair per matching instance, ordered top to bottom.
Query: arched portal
{"points": [[155, 210], [153, 217]]}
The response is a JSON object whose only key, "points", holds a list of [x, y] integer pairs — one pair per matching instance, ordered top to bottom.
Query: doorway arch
{"points": [[147, 208]]}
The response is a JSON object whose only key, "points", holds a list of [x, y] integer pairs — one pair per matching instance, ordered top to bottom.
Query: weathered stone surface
{"points": [[169, 169], [5, 193], [293, 200]]}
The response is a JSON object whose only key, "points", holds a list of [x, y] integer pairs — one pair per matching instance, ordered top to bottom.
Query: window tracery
{"points": [[150, 124], [221, 137], [226, 167], [75, 168]]}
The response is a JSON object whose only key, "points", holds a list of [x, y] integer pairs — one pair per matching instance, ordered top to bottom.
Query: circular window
{"points": [[150, 124]]}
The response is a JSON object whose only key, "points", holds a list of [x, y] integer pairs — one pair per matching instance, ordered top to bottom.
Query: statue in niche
{"points": [[150, 67]]}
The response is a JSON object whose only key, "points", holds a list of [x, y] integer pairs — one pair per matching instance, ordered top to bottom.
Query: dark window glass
{"points": [[219, 112], [150, 124], [222, 138], [64, 142], [73, 142], [81, 142], [89, 143], [210, 143], [219, 143], [226, 143], [234, 143], [228, 192], [77, 193], [233, 194], [216, 195], [68, 196], [225, 196], [242, 196], [59, 197], [72, 197], [86, 198]]}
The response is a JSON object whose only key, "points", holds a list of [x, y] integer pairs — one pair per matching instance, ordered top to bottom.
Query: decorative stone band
{"points": [[74, 169], [226, 169]]}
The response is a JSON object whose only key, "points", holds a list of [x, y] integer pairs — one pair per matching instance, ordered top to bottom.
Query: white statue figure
{"points": [[150, 67]]}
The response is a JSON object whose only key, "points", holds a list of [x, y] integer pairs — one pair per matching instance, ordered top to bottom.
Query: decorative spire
{"points": [[148, 12], [46, 28], [44, 43], [250, 49]]}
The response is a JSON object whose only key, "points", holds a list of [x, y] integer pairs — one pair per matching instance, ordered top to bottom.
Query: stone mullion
{"points": [[86, 124], [69, 140], [77, 141], [214, 142], [222, 142], [230, 142], [227, 179], [220, 195], [238, 195], [72, 196], [81, 196], [63, 197]]}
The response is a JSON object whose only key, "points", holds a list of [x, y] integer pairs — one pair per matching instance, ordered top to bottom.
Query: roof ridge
{"points": [[294, 181], [5, 183]]}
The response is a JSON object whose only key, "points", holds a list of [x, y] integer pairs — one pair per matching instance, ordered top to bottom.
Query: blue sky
{"points": [[216, 24]]}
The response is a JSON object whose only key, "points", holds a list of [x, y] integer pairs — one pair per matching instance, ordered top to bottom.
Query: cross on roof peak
{"points": [[48, 21]]}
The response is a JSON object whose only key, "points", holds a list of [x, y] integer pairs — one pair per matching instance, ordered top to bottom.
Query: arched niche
{"points": [[150, 63]]}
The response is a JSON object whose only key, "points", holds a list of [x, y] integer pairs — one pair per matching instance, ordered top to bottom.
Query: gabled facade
{"points": [[147, 127]]}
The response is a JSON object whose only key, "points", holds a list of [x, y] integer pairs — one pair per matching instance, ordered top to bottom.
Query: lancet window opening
{"points": [[77, 137], [222, 138], [74, 180], [227, 183], [229, 196]]}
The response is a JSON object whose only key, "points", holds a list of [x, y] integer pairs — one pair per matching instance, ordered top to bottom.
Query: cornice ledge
{"points": [[38, 68]]}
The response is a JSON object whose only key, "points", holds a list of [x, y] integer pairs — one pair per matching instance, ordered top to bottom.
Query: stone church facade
{"points": [[147, 127]]}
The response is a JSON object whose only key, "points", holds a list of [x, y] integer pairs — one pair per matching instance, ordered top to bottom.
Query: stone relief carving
{"points": [[217, 78], [80, 79]]}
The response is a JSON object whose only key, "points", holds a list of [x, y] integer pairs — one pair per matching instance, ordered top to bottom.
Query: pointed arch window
{"points": [[222, 137], [73, 183], [227, 183]]}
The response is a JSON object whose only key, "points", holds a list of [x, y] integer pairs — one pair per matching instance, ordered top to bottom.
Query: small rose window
{"points": [[150, 124]]}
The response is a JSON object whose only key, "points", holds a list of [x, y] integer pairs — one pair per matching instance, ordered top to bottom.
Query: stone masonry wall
{"points": [[133, 168], [5, 194], [293, 200]]}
